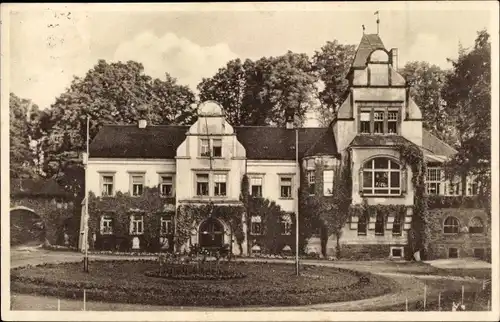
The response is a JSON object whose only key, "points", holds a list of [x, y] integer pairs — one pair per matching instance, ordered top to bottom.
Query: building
{"points": [[202, 165]]}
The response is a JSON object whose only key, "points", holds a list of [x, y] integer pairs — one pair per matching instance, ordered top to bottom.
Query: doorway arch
{"points": [[26, 227], [211, 233]]}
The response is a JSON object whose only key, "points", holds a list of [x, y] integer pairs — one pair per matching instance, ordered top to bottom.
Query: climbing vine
{"points": [[419, 234]]}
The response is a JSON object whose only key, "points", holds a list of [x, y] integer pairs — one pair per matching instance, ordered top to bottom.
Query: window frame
{"points": [[384, 108], [213, 147], [204, 149], [208, 150], [385, 171], [102, 175], [261, 178], [434, 180], [311, 181], [197, 182], [326, 182], [162, 183], [131, 184], [217, 184], [290, 186], [364, 219], [133, 220], [397, 221], [169, 223], [254, 224], [286, 225], [379, 225], [451, 225], [476, 227], [102, 229], [457, 252]]}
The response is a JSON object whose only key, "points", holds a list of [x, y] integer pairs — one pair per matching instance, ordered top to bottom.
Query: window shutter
{"points": [[360, 180], [404, 181]]}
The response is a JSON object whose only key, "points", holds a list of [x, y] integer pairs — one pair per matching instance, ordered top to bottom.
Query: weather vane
{"points": [[378, 21], [363, 26]]}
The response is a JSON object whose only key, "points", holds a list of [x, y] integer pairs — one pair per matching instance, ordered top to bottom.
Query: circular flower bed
{"points": [[197, 271], [266, 284]]}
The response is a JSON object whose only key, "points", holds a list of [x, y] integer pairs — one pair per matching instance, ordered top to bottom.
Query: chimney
{"points": [[394, 58], [142, 124]]}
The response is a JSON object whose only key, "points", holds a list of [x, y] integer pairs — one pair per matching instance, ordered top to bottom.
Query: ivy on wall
{"points": [[120, 207], [373, 210], [419, 234]]}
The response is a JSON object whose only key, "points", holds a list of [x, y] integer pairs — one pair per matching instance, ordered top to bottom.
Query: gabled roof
{"points": [[369, 43], [162, 141], [436, 146], [37, 188]]}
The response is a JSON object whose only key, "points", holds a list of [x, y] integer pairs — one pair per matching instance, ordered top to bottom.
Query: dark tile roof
{"points": [[369, 42], [378, 140], [130, 141], [161, 141], [434, 145], [37, 188]]}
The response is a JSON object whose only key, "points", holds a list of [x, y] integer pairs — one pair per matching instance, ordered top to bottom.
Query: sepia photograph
{"points": [[250, 161]]}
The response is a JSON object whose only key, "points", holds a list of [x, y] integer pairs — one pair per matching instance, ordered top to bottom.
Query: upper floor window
{"points": [[379, 118], [211, 147], [381, 176], [311, 181], [433, 181], [328, 182], [137, 184], [202, 184], [220, 184], [166, 186], [256, 186], [107, 187], [286, 187], [454, 187], [472, 187], [166, 225], [451, 225]]}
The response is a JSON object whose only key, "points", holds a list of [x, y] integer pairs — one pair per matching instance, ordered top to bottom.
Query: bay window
{"points": [[381, 176]]}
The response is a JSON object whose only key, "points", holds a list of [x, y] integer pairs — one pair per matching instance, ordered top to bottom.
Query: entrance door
{"points": [[211, 233]]}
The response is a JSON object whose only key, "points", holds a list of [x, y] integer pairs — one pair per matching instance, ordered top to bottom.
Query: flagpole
{"points": [[297, 203], [86, 241]]}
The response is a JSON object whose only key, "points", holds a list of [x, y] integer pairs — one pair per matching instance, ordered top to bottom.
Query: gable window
{"points": [[378, 117], [365, 122], [378, 122], [205, 147], [217, 148], [381, 176], [311, 181], [433, 181], [137, 183], [328, 183], [202, 184], [107, 185], [220, 185], [166, 186], [256, 187], [286, 187], [106, 225], [137, 225], [256, 225], [286, 225], [362, 225], [379, 225], [451, 225], [166, 226], [396, 226], [476, 226]]}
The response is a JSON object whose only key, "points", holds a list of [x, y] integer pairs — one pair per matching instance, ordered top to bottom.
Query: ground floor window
{"points": [[362, 224], [137, 225], [256, 225], [379, 225], [396, 252], [452, 252], [479, 253]]}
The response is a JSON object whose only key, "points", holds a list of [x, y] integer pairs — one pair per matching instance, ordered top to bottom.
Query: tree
{"points": [[331, 64], [426, 82], [264, 91], [117, 93], [467, 93], [22, 157]]}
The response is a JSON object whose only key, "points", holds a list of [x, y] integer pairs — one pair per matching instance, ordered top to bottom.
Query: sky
{"points": [[50, 45]]}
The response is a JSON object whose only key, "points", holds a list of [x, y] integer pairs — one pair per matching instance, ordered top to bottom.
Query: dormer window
{"points": [[379, 118]]}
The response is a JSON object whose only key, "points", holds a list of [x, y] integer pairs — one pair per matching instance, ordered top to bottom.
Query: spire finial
{"points": [[378, 21], [363, 26]]}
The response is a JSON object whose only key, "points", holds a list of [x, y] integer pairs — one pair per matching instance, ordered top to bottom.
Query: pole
{"points": [[297, 203], [86, 241], [462, 294], [425, 295], [84, 300], [439, 301], [58, 304], [406, 304]]}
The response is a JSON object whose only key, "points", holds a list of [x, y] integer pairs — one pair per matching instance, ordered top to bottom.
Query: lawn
{"points": [[265, 284]]}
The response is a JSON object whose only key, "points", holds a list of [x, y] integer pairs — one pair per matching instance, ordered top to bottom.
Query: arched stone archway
{"points": [[26, 227], [211, 233]]}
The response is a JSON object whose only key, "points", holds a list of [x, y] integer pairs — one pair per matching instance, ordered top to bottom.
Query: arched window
{"points": [[381, 176], [362, 223], [379, 225], [451, 225], [476, 226]]}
